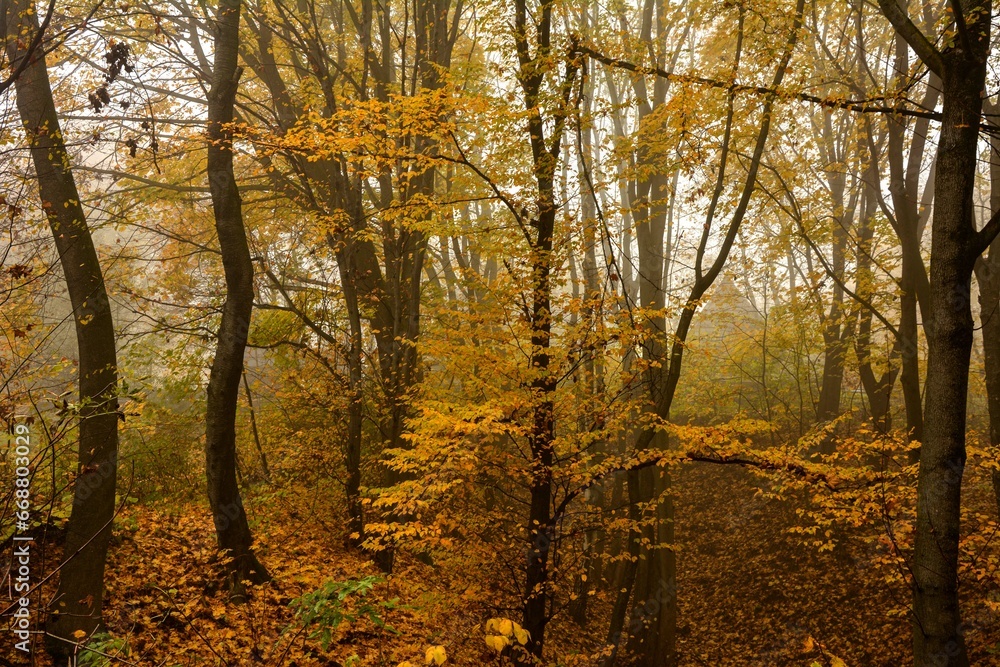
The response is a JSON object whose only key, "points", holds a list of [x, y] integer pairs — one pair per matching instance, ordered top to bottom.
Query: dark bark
{"points": [[325, 188], [909, 223], [539, 229], [406, 252], [347, 265], [988, 277], [384, 295], [989, 299], [593, 369], [832, 382], [540, 525], [231, 527], [625, 575], [79, 600], [937, 621], [938, 634]]}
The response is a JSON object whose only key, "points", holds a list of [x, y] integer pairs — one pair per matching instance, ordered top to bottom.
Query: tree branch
{"points": [[907, 29], [870, 105]]}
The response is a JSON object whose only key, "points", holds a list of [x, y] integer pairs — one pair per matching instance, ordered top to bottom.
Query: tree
{"points": [[534, 55], [372, 207], [955, 246], [988, 278], [231, 525], [79, 600], [652, 635]]}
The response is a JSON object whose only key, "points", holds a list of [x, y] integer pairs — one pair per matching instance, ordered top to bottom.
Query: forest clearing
{"points": [[640, 333]]}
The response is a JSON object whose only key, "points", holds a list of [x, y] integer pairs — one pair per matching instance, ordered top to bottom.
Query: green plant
{"points": [[338, 601], [102, 649]]}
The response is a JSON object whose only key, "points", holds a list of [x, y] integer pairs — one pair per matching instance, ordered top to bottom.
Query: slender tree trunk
{"points": [[904, 188], [346, 263], [404, 266], [360, 276], [988, 276], [835, 333], [593, 371], [909, 378], [878, 389], [828, 406], [253, 425], [231, 526], [540, 526], [625, 575], [78, 603], [654, 605], [654, 609], [937, 629], [650, 632], [938, 633]]}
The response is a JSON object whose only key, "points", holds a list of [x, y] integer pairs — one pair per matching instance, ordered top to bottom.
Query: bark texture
{"points": [[955, 245], [231, 527], [79, 599]]}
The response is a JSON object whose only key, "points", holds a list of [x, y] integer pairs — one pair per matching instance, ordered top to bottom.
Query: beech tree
{"points": [[956, 244], [231, 526], [78, 603]]}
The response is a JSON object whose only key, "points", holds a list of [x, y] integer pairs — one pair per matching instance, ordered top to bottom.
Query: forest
{"points": [[575, 333]]}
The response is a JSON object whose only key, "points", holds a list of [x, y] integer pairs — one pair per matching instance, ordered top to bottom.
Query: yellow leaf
{"points": [[506, 627], [79, 634], [521, 634], [496, 642], [435, 655]]}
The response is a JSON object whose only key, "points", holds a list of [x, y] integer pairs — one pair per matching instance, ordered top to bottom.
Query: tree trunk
{"points": [[904, 189], [406, 252], [346, 264], [988, 276], [835, 333], [593, 368], [878, 389], [266, 469], [231, 526], [540, 526], [78, 603], [654, 605], [654, 608], [937, 628], [650, 632], [938, 633]]}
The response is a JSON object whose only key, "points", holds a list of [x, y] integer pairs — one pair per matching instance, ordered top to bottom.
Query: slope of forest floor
{"points": [[750, 594]]}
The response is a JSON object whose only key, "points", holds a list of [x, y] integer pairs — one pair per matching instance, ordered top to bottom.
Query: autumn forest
{"points": [[575, 333]]}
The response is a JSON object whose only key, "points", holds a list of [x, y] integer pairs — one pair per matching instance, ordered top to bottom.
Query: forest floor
{"points": [[750, 594]]}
